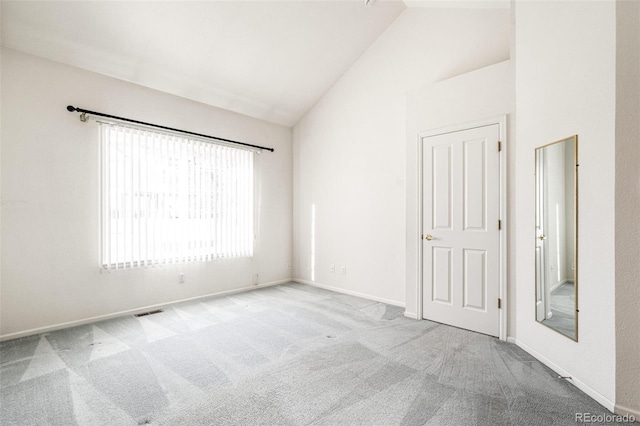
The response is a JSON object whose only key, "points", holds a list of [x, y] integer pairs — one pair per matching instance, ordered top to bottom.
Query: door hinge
{"points": [[499, 146], [499, 225], [499, 303]]}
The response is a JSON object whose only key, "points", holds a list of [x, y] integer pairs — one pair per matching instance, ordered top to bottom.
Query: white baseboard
{"points": [[350, 293], [411, 315], [90, 320], [511, 340], [601, 399], [622, 410]]}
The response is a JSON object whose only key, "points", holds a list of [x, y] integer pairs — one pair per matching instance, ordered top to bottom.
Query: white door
{"points": [[461, 239]]}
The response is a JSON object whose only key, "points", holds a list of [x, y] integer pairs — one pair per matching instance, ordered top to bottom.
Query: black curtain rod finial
{"points": [[71, 108]]}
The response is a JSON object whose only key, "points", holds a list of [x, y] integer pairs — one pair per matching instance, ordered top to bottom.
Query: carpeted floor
{"points": [[286, 355]]}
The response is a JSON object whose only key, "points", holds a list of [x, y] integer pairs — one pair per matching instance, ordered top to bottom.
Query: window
{"points": [[168, 198]]}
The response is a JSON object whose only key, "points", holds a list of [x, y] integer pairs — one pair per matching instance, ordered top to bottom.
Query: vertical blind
{"points": [[168, 198]]}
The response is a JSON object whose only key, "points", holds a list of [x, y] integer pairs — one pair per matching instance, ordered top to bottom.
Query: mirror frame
{"points": [[575, 238]]}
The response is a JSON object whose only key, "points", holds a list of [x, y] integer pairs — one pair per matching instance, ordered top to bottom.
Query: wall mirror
{"points": [[556, 239]]}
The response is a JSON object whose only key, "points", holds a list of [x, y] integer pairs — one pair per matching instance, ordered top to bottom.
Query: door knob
{"points": [[542, 236], [428, 237]]}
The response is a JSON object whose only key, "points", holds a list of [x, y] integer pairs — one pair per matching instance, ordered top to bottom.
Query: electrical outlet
{"points": [[288, 266], [573, 266], [333, 268], [344, 270], [181, 278], [256, 279]]}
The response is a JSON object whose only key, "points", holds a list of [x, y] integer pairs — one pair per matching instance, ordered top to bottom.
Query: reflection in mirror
{"points": [[556, 239]]}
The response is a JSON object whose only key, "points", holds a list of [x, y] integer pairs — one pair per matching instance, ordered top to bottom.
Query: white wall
{"points": [[565, 85], [478, 95], [349, 150], [1, 195], [627, 208], [50, 216]]}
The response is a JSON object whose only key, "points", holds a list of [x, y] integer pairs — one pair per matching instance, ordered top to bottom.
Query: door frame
{"points": [[501, 121]]}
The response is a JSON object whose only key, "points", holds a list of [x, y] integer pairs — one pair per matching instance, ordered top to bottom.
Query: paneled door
{"points": [[461, 235]]}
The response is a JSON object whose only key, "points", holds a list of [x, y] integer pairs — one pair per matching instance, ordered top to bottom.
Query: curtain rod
{"points": [[71, 108]]}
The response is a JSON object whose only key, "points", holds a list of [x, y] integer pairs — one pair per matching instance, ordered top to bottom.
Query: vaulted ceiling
{"points": [[271, 60]]}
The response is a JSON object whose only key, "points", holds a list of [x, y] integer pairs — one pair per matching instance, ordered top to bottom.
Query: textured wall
{"points": [[565, 85], [350, 151], [628, 208], [50, 209]]}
